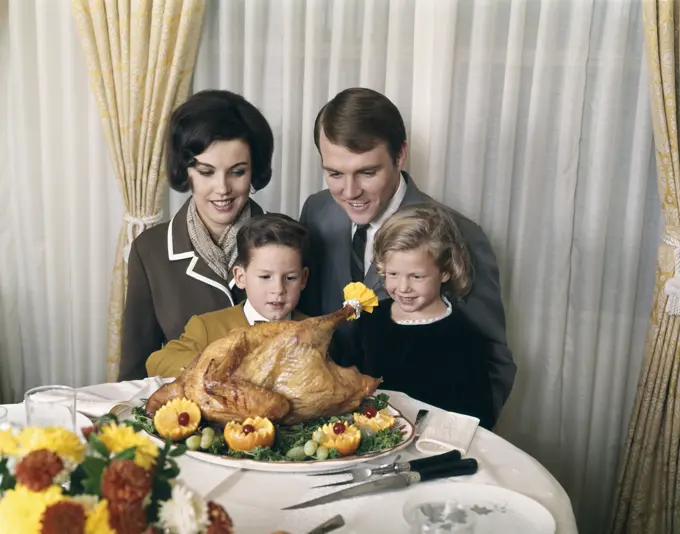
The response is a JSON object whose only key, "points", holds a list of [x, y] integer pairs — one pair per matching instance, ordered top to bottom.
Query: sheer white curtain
{"points": [[532, 118], [60, 208]]}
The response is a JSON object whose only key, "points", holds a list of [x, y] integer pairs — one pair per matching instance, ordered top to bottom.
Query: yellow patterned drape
{"points": [[140, 56], [647, 496]]}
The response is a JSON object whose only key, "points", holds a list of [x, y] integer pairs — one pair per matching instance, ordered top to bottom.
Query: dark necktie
{"points": [[358, 251]]}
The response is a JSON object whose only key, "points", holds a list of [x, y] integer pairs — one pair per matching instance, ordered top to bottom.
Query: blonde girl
{"points": [[418, 340]]}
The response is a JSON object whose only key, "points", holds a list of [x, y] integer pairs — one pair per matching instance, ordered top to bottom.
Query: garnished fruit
{"points": [[370, 412], [177, 419], [183, 419], [378, 421], [257, 432], [366, 432], [206, 440], [345, 440], [193, 443], [310, 447], [322, 453], [297, 454]]}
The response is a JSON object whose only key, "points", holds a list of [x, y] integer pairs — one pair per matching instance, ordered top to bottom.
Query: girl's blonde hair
{"points": [[431, 227]]}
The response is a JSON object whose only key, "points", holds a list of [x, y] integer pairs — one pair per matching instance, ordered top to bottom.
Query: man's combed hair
{"points": [[216, 115], [360, 119], [431, 227], [270, 229]]}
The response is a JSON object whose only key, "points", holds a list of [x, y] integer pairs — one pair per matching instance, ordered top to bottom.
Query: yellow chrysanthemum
{"points": [[358, 292], [118, 438], [58, 440], [8, 443], [21, 510], [98, 520]]}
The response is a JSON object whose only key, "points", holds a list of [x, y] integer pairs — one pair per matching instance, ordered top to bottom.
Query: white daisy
{"points": [[64, 476], [184, 513]]}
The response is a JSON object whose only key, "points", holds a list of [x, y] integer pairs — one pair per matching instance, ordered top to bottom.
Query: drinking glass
{"points": [[51, 406], [4, 418], [439, 517]]}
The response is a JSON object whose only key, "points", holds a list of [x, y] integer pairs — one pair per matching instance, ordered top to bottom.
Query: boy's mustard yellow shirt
{"points": [[200, 331]]}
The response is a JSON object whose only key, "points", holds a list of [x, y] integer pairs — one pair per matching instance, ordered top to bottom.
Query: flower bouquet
{"points": [[116, 482]]}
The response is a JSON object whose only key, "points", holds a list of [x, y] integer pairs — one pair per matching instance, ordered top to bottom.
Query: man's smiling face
{"points": [[362, 184]]}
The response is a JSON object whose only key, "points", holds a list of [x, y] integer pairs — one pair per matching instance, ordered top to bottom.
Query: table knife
{"points": [[420, 417], [467, 466], [361, 474]]}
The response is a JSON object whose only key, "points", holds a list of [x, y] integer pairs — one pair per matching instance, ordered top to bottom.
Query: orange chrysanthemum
{"points": [[37, 469], [125, 481], [64, 517], [127, 517], [220, 522]]}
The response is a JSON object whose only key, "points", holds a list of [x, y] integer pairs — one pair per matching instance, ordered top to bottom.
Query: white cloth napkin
{"points": [[96, 401], [445, 431]]}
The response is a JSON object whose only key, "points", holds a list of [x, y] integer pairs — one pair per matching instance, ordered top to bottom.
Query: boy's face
{"points": [[273, 280]]}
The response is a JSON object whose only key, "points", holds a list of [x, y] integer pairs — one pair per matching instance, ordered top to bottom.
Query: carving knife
{"points": [[467, 466]]}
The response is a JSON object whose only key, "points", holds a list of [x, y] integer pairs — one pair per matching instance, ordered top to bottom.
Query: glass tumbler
{"points": [[51, 406], [439, 517]]}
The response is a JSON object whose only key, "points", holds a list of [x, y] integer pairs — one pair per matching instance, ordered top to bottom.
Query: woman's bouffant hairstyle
{"points": [[215, 115], [429, 226], [270, 229]]}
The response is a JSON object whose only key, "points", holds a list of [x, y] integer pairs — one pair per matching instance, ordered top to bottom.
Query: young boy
{"points": [[269, 267]]}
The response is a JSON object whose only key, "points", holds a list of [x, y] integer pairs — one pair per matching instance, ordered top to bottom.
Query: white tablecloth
{"points": [[254, 499]]}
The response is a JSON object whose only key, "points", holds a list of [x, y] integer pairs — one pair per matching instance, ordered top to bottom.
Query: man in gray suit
{"points": [[361, 138]]}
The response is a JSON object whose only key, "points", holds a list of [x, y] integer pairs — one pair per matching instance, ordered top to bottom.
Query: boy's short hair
{"points": [[432, 227], [270, 229]]}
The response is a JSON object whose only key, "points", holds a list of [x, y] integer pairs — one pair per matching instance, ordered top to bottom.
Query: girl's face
{"points": [[220, 183], [414, 281]]}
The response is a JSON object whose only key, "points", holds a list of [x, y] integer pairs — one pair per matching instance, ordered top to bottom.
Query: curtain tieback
{"points": [[135, 226], [672, 287]]}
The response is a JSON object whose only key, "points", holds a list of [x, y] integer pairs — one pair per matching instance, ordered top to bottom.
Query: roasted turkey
{"points": [[279, 370]]}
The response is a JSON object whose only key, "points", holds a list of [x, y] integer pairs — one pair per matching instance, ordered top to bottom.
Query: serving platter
{"points": [[309, 466]]}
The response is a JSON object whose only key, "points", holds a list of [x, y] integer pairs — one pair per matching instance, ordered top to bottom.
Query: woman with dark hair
{"points": [[219, 147]]}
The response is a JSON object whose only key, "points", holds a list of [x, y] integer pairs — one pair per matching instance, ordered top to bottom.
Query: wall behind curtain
{"points": [[532, 118], [60, 209]]}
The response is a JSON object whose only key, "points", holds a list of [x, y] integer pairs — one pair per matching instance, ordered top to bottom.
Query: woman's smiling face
{"points": [[220, 183]]}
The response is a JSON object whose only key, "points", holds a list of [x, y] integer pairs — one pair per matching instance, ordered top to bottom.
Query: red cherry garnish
{"points": [[370, 412], [183, 419], [338, 428], [247, 429]]}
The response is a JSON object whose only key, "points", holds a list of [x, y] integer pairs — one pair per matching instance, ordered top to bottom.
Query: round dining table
{"points": [[256, 499]]}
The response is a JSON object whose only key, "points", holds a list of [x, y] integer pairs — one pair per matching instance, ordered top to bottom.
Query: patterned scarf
{"points": [[220, 257]]}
